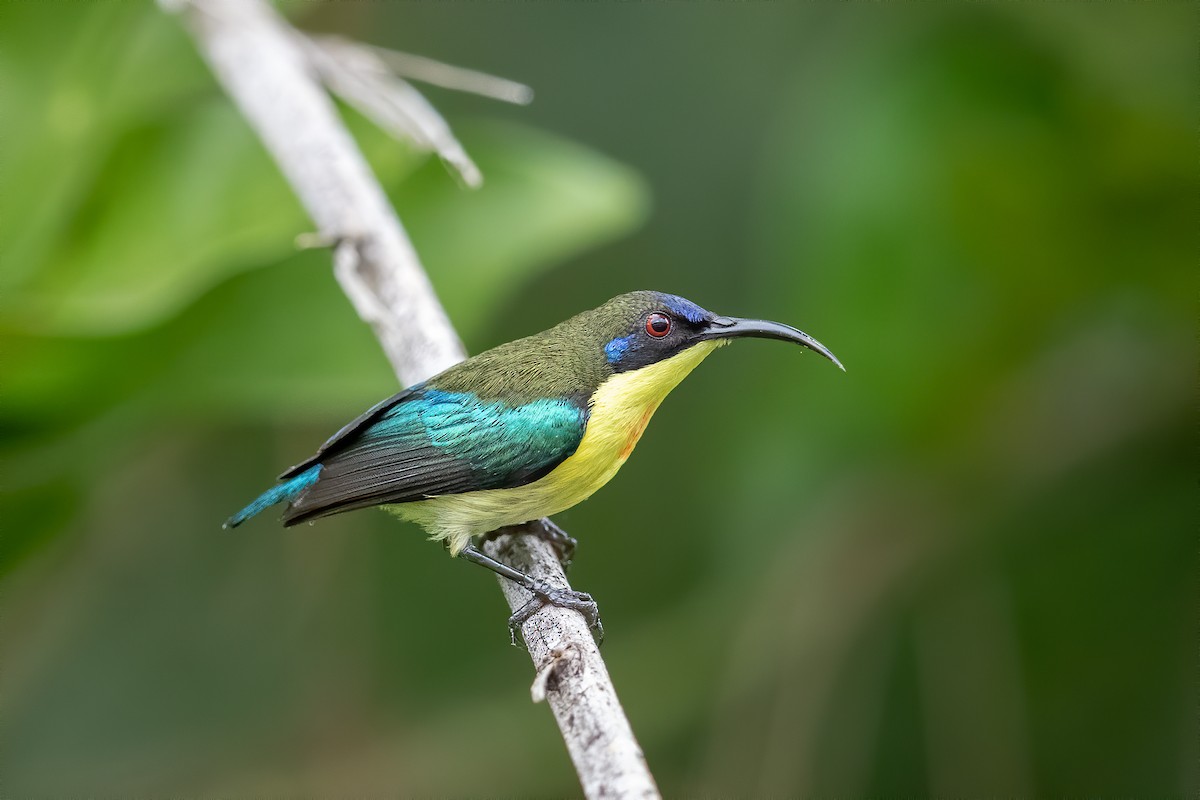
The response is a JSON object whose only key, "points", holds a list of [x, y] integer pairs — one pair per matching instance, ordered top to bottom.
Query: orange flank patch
{"points": [[636, 433]]}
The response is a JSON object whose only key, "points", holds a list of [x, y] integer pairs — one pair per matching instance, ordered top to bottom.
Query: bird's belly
{"points": [[620, 411]]}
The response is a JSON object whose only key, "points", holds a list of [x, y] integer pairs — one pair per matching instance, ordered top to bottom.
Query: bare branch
{"points": [[270, 74]]}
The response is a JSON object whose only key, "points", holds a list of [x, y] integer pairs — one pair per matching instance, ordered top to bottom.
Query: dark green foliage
{"points": [[965, 568]]}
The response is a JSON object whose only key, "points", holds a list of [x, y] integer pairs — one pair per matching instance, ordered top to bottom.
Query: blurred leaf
{"points": [[75, 86], [151, 187], [544, 199], [158, 200], [179, 206], [286, 341], [286, 344]]}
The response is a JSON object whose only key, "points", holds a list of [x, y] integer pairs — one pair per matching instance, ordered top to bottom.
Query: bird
{"points": [[517, 433]]}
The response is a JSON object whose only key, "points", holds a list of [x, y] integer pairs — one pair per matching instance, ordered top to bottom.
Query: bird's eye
{"points": [[658, 325]]}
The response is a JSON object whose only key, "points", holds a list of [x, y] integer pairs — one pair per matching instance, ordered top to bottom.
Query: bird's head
{"points": [[638, 329]]}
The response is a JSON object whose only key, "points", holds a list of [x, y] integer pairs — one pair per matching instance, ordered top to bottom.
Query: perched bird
{"points": [[517, 433]]}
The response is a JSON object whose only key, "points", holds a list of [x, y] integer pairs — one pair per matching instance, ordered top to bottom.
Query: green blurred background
{"points": [[964, 568]]}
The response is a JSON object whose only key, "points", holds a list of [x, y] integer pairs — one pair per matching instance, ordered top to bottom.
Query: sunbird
{"points": [[517, 433]]}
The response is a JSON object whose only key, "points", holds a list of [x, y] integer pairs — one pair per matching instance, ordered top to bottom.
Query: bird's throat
{"points": [[623, 405]]}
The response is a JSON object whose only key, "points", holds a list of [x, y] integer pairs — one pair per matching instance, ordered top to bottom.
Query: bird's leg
{"points": [[563, 543], [543, 593]]}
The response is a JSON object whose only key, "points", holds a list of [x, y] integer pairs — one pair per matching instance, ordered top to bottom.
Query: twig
{"points": [[259, 59], [448, 76], [360, 77]]}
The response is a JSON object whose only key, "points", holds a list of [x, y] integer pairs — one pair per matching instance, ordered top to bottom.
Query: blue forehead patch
{"points": [[684, 308], [615, 349]]}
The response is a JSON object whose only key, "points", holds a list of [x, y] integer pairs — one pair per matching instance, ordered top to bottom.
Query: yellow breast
{"points": [[620, 410]]}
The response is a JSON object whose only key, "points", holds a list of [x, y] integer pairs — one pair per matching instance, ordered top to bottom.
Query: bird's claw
{"points": [[563, 543], [563, 598]]}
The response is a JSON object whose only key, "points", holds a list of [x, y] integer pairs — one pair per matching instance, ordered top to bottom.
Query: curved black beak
{"points": [[732, 327]]}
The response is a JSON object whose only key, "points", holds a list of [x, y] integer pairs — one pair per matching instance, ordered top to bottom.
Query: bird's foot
{"points": [[563, 543], [543, 594], [563, 598]]}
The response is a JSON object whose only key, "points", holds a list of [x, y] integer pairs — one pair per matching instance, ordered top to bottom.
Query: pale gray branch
{"points": [[271, 76]]}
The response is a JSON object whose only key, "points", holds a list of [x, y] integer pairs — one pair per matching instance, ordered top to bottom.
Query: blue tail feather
{"points": [[285, 492]]}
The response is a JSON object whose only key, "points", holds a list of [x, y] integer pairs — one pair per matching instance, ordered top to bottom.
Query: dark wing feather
{"points": [[352, 427], [430, 442]]}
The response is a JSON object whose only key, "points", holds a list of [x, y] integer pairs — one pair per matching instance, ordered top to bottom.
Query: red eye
{"points": [[658, 325]]}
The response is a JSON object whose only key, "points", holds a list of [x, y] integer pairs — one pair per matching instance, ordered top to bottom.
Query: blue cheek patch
{"points": [[685, 308], [615, 349]]}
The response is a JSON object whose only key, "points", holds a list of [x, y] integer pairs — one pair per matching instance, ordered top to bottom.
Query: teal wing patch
{"points": [[429, 442]]}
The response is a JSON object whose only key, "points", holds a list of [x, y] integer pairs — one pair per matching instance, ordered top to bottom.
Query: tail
{"points": [[287, 491]]}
